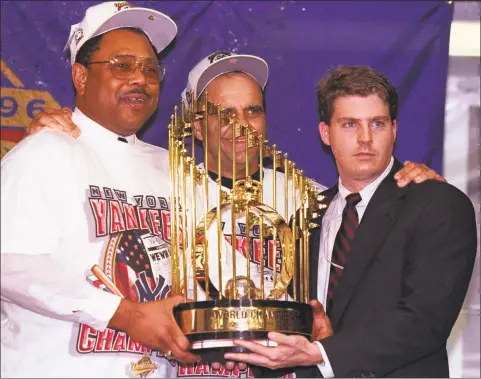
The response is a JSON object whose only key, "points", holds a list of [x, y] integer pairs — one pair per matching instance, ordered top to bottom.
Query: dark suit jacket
{"points": [[404, 282]]}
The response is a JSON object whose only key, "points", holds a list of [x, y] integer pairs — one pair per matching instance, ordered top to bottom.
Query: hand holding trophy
{"points": [[242, 287]]}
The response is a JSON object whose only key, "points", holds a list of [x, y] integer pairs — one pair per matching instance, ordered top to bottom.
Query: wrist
{"points": [[123, 316], [315, 353]]}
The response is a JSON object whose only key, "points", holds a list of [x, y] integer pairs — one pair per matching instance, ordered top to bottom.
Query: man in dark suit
{"points": [[391, 265]]}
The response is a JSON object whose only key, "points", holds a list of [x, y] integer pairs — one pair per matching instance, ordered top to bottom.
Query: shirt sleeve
{"points": [[37, 183], [325, 367]]}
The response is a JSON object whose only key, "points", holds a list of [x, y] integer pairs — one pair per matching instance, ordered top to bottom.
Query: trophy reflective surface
{"points": [[239, 256]]}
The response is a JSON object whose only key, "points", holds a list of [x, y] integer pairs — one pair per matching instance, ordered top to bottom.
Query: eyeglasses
{"points": [[123, 67], [228, 114]]}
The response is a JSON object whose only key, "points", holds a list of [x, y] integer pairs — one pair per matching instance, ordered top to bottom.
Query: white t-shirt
{"points": [[67, 205]]}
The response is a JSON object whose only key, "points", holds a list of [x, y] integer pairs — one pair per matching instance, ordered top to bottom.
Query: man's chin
{"points": [[132, 122], [367, 173]]}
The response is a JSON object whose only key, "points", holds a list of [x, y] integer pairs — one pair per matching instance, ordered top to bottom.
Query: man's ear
{"points": [[79, 77], [394, 129], [198, 130], [324, 133]]}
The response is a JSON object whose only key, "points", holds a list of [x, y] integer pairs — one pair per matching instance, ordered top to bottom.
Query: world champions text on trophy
{"points": [[236, 285]]}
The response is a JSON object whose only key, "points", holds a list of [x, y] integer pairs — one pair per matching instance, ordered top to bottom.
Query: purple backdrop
{"points": [[408, 41]]}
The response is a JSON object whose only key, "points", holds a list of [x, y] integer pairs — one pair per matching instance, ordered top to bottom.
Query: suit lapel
{"points": [[375, 225], [314, 240]]}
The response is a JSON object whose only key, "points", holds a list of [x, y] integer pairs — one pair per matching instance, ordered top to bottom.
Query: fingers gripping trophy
{"points": [[226, 295]]}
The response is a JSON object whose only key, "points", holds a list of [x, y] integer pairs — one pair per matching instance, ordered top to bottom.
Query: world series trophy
{"points": [[226, 295]]}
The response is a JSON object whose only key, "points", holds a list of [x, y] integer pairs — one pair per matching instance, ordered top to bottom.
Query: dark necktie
{"points": [[122, 139], [342, 245]]}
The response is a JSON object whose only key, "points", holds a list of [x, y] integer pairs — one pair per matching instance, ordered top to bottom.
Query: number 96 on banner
{"points": [[19, 106]]}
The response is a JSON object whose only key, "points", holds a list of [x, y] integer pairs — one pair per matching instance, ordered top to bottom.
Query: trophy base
{"points": [[212, 326]]}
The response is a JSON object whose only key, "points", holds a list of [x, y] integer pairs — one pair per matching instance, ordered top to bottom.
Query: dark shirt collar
{"points": [[228, 183]]}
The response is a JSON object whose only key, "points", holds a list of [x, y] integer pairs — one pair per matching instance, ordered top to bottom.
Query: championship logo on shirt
{"points": [[136, 260], [139, 265], [143, 367]]}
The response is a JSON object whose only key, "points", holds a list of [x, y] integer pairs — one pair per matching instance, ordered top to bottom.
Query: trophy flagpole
{"points": [[188, 124], [260, 141], [205, 178], [247, 178], [205, 183], [219, 199], [193, 203], [274, 205], [286, 208], [233, 211], [184, 225], [294, 231], [173, 253], [303, 263]]}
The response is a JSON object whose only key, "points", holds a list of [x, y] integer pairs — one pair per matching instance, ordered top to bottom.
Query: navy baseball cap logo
{"points": [[122, 5], [78, 35], [218, 55]]}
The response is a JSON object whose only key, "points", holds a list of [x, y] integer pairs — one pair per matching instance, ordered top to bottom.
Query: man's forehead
{"points": [[126, 41], [234, 76], [235, 88], [370, 103]]}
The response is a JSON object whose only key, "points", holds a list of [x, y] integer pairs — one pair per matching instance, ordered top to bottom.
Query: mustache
{"points": [[137, 91]]}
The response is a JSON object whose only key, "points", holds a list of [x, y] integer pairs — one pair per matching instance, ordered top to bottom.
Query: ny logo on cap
{"points": [[122, 5], [78, 35], [218, 55]]}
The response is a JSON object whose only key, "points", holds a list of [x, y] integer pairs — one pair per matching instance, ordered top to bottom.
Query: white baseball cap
{"points": [[107, 16], [222, 62]]}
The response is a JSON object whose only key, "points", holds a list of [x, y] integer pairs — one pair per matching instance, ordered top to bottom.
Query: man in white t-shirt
{"points": [[99, 204]]}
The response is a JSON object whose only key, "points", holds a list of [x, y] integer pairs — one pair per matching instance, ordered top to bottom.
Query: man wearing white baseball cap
{"points": [[107, 16], [222, 62], [237, 83], [85, 262]]}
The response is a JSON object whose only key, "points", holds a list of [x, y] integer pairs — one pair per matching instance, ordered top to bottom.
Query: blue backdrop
{"points": [[407, 40]]}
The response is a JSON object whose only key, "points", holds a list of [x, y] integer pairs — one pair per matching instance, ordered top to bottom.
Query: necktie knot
{"points": [[122, 139], [353, 199]]}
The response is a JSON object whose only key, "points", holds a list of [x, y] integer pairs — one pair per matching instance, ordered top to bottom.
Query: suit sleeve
{"points": [[438, 264]]}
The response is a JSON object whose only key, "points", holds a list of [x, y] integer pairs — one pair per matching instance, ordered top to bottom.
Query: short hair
{"points": [[93, 44], [354, 80]]}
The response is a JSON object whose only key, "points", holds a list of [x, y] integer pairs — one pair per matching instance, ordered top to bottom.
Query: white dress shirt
{"points": [[331, 222]]}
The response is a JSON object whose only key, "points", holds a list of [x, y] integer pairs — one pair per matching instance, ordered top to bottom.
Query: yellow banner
{"points": [[19, 105]]}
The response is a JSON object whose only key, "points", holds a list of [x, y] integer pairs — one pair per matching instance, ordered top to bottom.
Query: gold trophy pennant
{"points": [[226, 295]]}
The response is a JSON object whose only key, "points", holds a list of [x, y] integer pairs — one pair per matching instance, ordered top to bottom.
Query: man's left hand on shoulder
{"points": [[417, 173], [291, 351]]}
